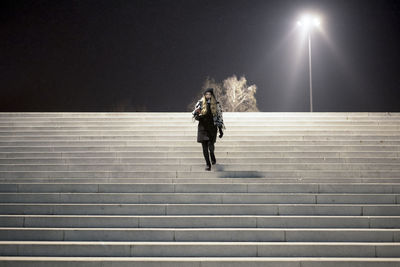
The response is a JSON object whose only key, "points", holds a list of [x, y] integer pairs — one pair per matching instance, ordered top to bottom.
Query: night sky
{"points": [[145, 55]]}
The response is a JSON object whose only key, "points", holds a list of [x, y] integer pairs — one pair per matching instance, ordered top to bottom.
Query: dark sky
{"points": [[107, 55]]}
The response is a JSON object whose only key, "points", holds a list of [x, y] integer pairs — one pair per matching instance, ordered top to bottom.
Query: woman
{"points": [[208, 112]]}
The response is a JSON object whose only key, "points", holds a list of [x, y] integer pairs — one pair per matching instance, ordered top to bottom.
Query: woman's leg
{"points": [[211, 148], [205, 152]]}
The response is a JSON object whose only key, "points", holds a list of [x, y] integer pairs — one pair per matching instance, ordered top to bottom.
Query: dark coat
{"points": [[208, 124], [206, 130]]}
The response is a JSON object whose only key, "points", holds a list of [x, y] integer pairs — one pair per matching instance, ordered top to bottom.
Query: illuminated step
{"points": [[388, 188], [200, 209], [199, 221], [200, 249], [43, 261]]}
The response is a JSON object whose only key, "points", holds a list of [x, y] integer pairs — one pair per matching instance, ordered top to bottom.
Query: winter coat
{"points": [[208, 124]]}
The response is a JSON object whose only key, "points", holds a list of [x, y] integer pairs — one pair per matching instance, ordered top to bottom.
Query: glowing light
{"points": [[308, 21], [317, 22]]}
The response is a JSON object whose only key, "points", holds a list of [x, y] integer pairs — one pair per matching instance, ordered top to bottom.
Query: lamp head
{"points": [[308, 22]]}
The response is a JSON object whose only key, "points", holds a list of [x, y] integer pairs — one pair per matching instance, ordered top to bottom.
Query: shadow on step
{"points": [[221, 173]]}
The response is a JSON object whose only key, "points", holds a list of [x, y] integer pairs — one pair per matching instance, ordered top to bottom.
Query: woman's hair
{"points": [[213, 105]]}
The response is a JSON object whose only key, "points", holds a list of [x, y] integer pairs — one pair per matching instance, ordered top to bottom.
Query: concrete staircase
{"points": [[129, 189]]}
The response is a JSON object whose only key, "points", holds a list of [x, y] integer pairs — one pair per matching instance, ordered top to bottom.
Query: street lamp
{"points": [[308, 22]]}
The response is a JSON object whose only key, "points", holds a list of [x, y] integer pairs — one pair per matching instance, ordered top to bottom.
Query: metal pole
{"points": [[310, 69]]}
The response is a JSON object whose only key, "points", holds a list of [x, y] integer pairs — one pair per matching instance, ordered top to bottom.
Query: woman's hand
{"points": [[197, 115], [220, 132]]}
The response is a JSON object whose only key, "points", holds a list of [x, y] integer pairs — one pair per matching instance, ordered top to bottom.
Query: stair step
{"points": [[154, 122], [192, 128], [193, 131], [227, 138], [193, 143], [183, 154], [192, 161], [117, 167], [301, 174], [199, 180], [199, 187], [202, 198], [200, 209], [196, 221], [199, 249], [41, 261]]}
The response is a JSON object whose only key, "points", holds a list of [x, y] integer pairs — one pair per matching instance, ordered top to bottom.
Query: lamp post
{"points": [[308, 22]]}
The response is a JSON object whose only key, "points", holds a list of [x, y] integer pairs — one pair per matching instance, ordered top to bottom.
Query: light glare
{"points": [[307, 21]]}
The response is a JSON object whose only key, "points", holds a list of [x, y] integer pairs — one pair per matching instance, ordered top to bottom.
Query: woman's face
{"points": [[208, 95]]}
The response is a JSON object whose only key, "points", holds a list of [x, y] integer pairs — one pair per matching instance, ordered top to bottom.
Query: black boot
{"points": [[213, 159], [208, 165]]}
